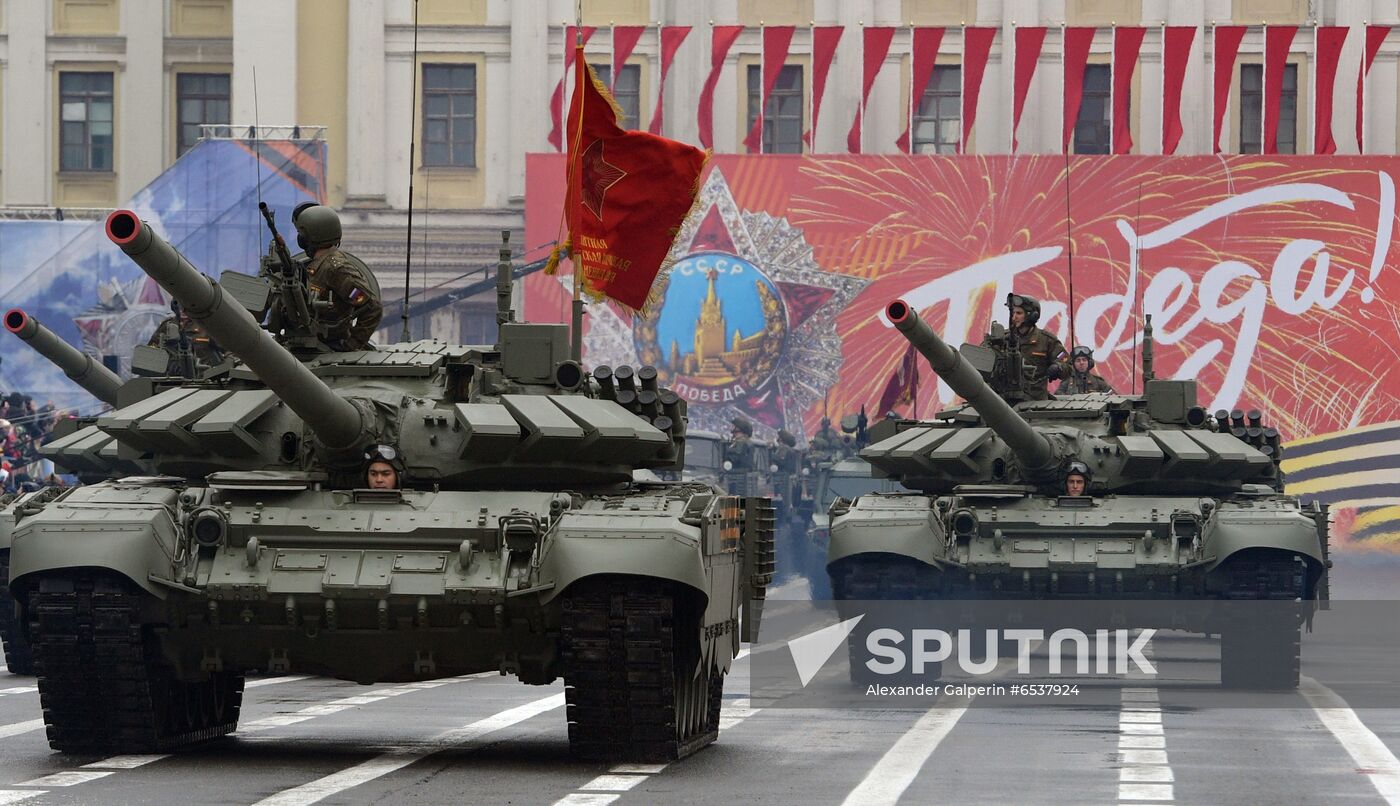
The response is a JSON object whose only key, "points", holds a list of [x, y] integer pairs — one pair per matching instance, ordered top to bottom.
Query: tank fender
{"points": [[907, 530], [1230, 530], [134, 541], [582, 547]]}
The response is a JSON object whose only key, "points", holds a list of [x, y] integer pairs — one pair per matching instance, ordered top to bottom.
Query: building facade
{"points": [[97, 97]]}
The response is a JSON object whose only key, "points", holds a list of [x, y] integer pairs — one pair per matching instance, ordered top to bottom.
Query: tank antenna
{"points": [[257, 133], [412, 143], [1069, 246], [1137, 263], [504, 313]]}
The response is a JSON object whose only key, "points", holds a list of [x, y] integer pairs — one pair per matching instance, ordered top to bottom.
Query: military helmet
{"points": [[301, 208], [318, 226], [1025, 303], [1082, 351], [742, 425], [786, 437], [387, 454], [1079, 469]]}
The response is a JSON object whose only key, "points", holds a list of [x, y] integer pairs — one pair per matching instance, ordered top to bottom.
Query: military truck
{"points": [[1179, 507], [515, 540]]}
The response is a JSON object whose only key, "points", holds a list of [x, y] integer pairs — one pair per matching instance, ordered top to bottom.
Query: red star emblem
{"points": [[598, 176]]}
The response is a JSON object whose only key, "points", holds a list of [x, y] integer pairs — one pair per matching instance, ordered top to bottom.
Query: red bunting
{"points": [[1375, 35], [671, 38], [1330, 39], [721, 40], [776, 40], [1277, 40], [624, 41], [824, 41], [1127, 41], [1028, 42], [1077, 42], [876, 46], [1227, 46], [977, 48], [1176, 49], [925, 56], [556, 101], [628, 193], [902, 387]]}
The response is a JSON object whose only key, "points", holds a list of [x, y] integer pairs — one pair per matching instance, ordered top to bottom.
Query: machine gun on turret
{"points": [[287, 278]]}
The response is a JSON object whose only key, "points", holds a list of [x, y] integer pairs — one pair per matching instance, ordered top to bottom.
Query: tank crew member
{"points": [[339, 278], [169, 332], [1042, 354], [1081, 379], [825, 441], [739, 451], [383, 468], [1077, 479]]}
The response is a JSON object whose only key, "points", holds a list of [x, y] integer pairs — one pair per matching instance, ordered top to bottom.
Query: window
{"points": [[628, 91], [202, 98], [85, 101], [1252, 102], [449, 115], [782, 120], [937, 120], [1092, 134]]}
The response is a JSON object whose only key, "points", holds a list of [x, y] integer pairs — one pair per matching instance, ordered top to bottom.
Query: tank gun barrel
{"points": [[81, 368], [336, 421], [1033, 448]]}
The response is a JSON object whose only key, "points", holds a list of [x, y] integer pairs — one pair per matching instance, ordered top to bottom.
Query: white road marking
{"points": [[272, 681], [18, 690], [345, 703], [6, 731], [1366, 749], [398, 758], [126, 762], [896, 770], [1143, 774], [67, 778], [613, 783], [8, 796], [586, 799]]}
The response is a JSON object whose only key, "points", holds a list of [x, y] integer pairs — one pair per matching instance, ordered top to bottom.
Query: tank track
{"points": [[1264, 652], [19, 656], [103, 683], [626, 685]]}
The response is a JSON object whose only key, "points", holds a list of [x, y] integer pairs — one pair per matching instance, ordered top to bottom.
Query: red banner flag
{"points": [[1375, 35], [671, 38], [1330, 39], [721, 40], [776, 40], [1277, 40], [624, 41], [824, 41], [1127, 41], [1077, 42], [1028, 43], [876, 46], [1227, 46], [977, 48], [1176, 49], [924, 57], [556, 101], [628, 194], [903, 386]]}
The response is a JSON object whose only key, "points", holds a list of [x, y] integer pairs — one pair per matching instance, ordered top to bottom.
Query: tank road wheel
{"points": [[886, 577], [19, 658], [103, 683], [633, 693]]}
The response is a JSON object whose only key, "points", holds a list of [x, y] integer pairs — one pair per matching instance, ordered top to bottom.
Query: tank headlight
{"points": [[964, 523], [208, 528]]}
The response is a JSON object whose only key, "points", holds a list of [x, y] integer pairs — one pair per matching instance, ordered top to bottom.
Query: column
{"points": [[265, 40], [364, 106], [146, 124], [29, 161]]}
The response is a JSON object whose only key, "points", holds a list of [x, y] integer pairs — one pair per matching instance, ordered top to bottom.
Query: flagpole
{"points": [[1112, 76], [762, 86], [1264, 89], [811, 93], [1162, 96], [910, 119], [576, 320]]}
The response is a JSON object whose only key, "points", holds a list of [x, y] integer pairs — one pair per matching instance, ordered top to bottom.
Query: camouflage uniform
{"points": [[344, 280], [167, 337], [1040, 350], [1077, 383], [738, 451]]}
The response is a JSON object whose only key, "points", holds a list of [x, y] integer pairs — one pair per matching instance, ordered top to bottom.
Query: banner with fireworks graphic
{"points": [[1273, 281]]}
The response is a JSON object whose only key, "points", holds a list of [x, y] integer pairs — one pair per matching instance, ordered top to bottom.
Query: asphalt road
{"points": [[489, 739]]}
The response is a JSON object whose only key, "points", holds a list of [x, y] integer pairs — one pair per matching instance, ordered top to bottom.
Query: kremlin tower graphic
{"points": [[718, 355]]}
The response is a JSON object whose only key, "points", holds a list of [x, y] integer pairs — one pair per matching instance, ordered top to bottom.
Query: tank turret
{"points": [[80, 367], [336, 421], [1032, 449]]}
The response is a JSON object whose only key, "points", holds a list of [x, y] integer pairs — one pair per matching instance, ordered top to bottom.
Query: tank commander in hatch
{"points": [[350, 304], [1042, 354], [1082, 379], [739, 451], [383, 468], [1077, 479]]}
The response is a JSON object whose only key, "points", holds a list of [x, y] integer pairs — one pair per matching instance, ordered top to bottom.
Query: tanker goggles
{"points": [[385, 453], [1078, 468]]}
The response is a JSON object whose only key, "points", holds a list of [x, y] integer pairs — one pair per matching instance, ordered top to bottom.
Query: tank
{"points": [[81, 368], [1180, 506], [515, 542]]}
